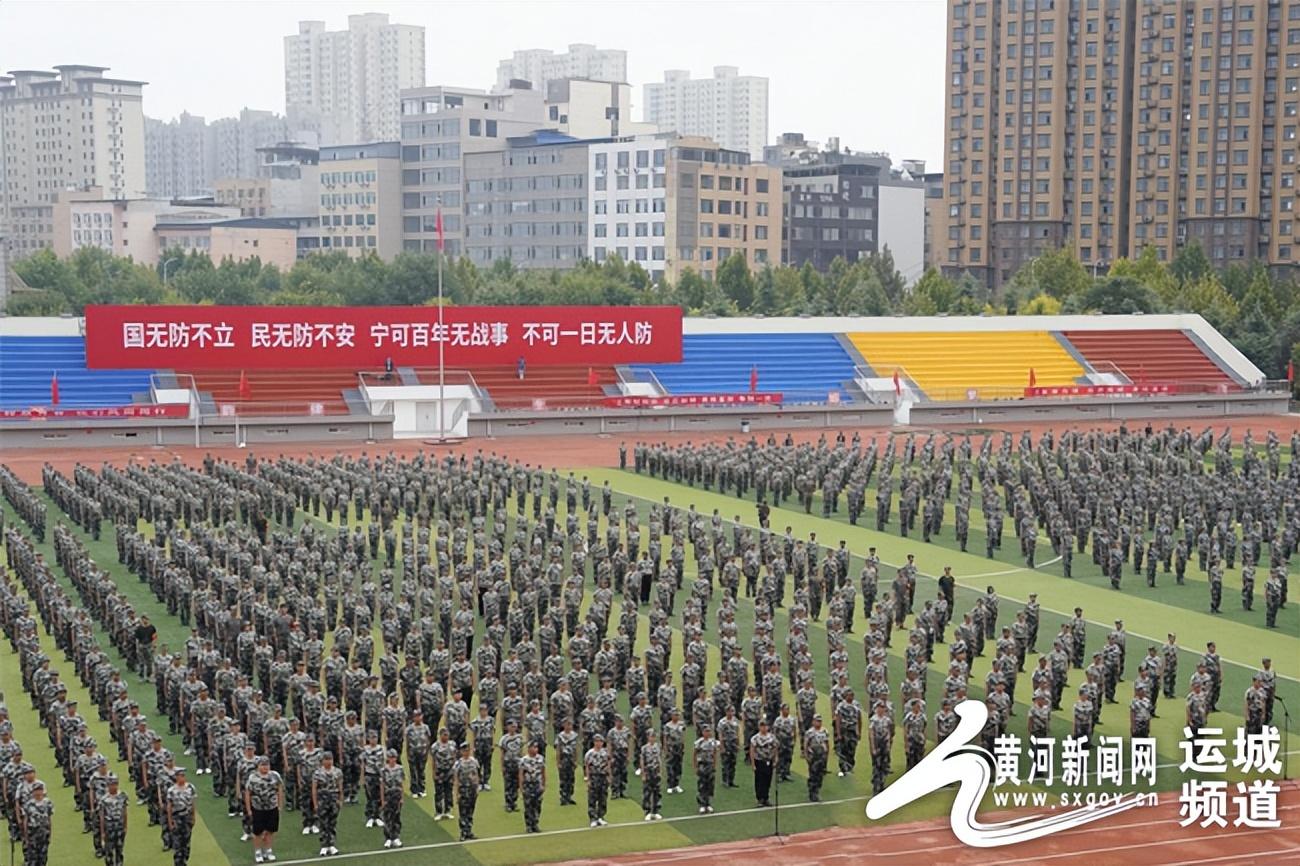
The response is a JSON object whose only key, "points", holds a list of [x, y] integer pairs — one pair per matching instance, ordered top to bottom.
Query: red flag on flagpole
{"points": [[437, 227], [1290, 371], [1033, 377], [753, 378], [592, 379], [898, 384], [54, 390], [245, 390]]}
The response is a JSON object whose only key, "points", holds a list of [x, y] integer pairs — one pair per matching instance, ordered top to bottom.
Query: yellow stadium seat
{"points": [[946, 365]]}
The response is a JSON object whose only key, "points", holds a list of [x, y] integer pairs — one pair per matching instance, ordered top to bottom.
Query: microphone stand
{"points": [[1286, 736], [776, 810]]}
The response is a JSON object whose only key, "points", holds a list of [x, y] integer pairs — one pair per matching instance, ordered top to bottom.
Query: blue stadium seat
{"points": [[28, 363], [805, 368]]}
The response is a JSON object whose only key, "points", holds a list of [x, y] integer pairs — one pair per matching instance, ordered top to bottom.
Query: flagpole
{"points": [[442, 341]]}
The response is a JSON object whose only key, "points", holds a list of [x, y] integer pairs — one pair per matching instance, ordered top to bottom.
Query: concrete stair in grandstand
{"points": [[1150, 356], [28, 363], [946, 364], [805, 368], [560, 387], [279, 392]]}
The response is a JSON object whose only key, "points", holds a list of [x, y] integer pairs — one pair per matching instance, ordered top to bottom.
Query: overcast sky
{"points": [[869, 71]]}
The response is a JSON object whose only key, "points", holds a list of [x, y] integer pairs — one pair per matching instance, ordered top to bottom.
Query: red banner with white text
{"points": [[359, 338], [1098, 390], [763, 399], [54, 413]]}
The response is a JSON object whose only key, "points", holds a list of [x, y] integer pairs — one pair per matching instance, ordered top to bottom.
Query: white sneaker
{"points": [[189, 751], [638, 771], [840, 774], [487, 787], [679, 789], [710, 808], [703, 810], [649, 816], [658, 817], [602, 821], [370, 822], [379, 822], [595, 823], [315, 830], [306, 831], [245, 837], [388, 843], [397, 843], [333, 850], [324, 852], [257, 856], [270, 856]]}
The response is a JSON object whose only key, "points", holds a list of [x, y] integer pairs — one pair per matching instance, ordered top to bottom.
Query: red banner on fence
{"points": [[358, 338], [1097, 390], [694, 400], [54, 413]]}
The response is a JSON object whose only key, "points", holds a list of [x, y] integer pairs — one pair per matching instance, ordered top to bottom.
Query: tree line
{"points": [[1258, 311]]}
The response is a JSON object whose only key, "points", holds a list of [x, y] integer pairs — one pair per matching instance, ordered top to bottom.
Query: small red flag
{"points": [[437, 227], [1290, 371], [1033, 377], [753, 378], [592, 379], [898, 384], [245, 389], [54, 390]]}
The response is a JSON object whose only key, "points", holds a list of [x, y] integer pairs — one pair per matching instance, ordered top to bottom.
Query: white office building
{"points": [[541, 66], [345, 84], [729, 108], [627, 202]]}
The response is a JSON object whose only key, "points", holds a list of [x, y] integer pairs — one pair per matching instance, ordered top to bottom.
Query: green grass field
{"points": [[1148, 613]]}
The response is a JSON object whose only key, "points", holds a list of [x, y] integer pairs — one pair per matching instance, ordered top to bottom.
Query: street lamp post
{"points": [[171, 261]]}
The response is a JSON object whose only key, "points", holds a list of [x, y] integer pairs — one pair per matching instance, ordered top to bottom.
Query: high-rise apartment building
{"points": [[540, 66], [345, 84], [729, 108], [440, 125], [1107, 126], [68, 129], [236, 141], [179, 156]]}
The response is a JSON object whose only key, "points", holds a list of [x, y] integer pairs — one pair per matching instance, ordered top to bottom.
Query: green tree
{"points": [[1190, 264], [1149, 271], [1056, 272], [736, 282], [690, 289], [1114, 295], [1207, 296], [1040, 305]]}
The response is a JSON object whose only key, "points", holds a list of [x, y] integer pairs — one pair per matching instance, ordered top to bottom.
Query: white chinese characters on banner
{"points": [[177, 335], [1206, 803]]}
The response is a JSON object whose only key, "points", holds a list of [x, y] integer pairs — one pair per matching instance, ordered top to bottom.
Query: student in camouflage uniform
{"points": [[785, 728], [848, 732], [418, 739], [619, 740], [729, 740], [882, 742], [511, 746], [674, 749], [816, 751], [762, 755], [566, 761], [444, 762], [372, 763], [596, 765], [706, 768], [651, 776], [391, 780], [531, 780], [468, 784], [327, 798], [263, 801], [182, 807], [111, 809], [37, 818]]}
